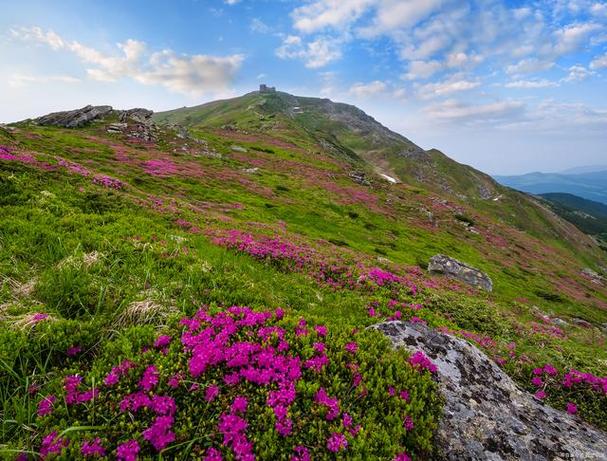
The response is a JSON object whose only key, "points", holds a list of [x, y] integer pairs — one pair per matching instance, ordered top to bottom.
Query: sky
{"points": [[508, 87]]}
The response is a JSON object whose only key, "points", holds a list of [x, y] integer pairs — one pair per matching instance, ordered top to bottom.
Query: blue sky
{"points": [[506, 86]]}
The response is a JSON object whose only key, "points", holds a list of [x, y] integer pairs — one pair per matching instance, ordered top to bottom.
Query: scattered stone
{"points": [[74, 118], [117, 127], [238, 148], [251, 170], [359, 178], [441, 264], [593, 276], [559, 322], [581, 323], [486, 415]]}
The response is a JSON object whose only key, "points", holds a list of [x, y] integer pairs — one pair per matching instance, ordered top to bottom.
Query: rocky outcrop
{"points": [[137, 115], [74, 118], [441, 264], [486, 415]]}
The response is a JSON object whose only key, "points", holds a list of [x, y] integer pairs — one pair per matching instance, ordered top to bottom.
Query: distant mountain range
{"points": [[591, 185]]}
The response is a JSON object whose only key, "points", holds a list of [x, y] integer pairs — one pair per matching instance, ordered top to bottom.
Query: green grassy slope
{"points": [[107, 242]]}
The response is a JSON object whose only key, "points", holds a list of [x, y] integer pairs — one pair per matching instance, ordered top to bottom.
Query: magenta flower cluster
{"points": [[420, 361]]}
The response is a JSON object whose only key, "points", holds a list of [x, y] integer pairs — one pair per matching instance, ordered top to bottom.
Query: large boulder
{"points": [[74, 118], [441, 264], [487, 416]]}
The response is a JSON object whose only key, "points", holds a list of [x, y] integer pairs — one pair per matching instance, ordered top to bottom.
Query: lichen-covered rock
{"points": [[138, 115], [74, 118], [441, 264], [487, 416]]}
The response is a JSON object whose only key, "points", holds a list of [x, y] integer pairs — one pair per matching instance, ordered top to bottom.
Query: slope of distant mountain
{"points": [[585, 169], [591, 186], [589, 216]]}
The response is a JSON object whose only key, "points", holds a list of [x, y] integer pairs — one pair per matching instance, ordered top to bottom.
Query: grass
{"points": [[112, 268]]}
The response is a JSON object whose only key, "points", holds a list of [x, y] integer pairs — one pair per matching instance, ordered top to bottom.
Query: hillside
{"points": [[591, 185], [588, 216], [198, 283]]}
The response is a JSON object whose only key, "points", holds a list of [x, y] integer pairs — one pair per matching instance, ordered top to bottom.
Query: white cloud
{"points": [[231, 2], [599, 9], [322, 14], [399, 15], [257, 25], [571, 37], [316, 54], [599, 62], [528, 66], [422, 69], [578, 73], [190, 74], [20, 80], [531, 84], [447, 87], [368, 89], [456, 111]]}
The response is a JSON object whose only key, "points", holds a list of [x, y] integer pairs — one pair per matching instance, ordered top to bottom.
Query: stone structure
{"points": [[263, 88]]}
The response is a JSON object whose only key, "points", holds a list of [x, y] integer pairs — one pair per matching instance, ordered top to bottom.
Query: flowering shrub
{"points": [[160, 167], [109, 182], [240, 384], [574, 391]]}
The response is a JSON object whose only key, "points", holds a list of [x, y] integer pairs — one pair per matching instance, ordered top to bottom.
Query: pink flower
{"points": [[372, 312], [279, 313], [39, 317], [321, 330], [162, 341], [352, 347], [319, 348], [73, 351], [421, 362], [550, 370], [149, 379], [174, 381], [537, 381], [391, 391], [211, 392], [405, 395], [540, 395], [332, 404], [239, 405], [45, 407], [571, 408], [346, 420], [408, 423], [284, 426], [159, 434], [337, 442], [52, 444], [92, 448], [128, 451], [213, 454], [301, 454], [402, 457]]}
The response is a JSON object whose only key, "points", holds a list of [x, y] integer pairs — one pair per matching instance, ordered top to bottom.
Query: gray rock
{"points": [[137, 115], [74, 118], [359, 177], [441, 264], [593, 276], [581, 323], [486, 415]]}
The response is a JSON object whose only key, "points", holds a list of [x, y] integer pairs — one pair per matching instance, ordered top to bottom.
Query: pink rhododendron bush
{"points": [[238, 384]]}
